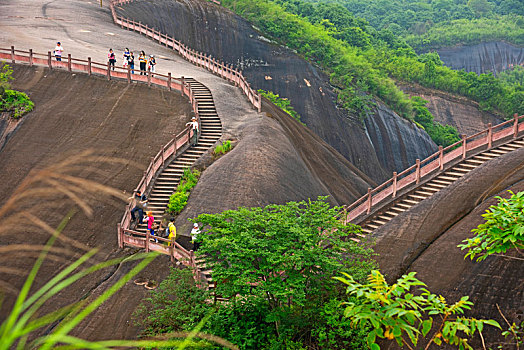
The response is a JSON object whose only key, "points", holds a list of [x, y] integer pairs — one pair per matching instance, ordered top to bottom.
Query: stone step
{"points": [[423, 193]]}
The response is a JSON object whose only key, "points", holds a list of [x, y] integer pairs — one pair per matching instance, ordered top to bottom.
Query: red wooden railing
{"points": [[225, 71], [433, 164], [125, 235]]}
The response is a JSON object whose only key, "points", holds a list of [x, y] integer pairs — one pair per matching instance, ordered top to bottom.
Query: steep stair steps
{"points": [[167, 181], [434, 185]]}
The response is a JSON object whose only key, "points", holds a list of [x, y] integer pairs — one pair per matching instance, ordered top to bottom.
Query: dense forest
{"points": [[437, 23], [365, 63]]}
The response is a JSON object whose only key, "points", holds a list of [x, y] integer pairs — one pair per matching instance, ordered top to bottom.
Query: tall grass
{"points": [[24, 323]]}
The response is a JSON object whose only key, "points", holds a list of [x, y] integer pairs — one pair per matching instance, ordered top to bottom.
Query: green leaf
{"points": [[426, 326], [375, 346]]}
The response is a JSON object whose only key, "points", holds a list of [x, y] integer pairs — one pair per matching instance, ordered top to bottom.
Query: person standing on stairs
{"points": [[111, 57], [143, 61], [194, 128], [140, 204], [151, 223], [172, 231], [194, 234]]}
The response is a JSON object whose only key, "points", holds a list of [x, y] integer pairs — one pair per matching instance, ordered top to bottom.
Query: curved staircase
{"points": [[169, 177], [427, 189]]}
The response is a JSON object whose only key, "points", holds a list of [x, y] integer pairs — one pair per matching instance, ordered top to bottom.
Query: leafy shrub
{"points": [[16, 102], [281, 102], [223, 148], [178, 200], [502, 230], [176, 305], [397, 313]]}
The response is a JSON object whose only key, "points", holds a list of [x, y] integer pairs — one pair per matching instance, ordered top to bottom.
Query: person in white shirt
{"points": [[58, 51], [194, 126], [194, 233]]}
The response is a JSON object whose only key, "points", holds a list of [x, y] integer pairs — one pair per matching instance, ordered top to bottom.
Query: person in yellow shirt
{"points": [[172, 231]]}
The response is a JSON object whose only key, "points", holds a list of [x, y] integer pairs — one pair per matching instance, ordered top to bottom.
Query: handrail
{"points": [[200, 59], [170, 149], [435, 162], [158, 244]]}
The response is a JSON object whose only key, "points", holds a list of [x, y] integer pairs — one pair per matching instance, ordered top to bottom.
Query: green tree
{"points": [[480, 7], [502, 230], [281, 257], [397, 313]]}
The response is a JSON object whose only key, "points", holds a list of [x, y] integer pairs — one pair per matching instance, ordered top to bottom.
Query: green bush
{"points": [[16, 102], [281, 102], [223, 148], [178, 200], [502, 230], [176, 305]]}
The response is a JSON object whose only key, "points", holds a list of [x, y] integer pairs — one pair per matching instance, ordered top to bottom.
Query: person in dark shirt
{"points": [[140, 204]]}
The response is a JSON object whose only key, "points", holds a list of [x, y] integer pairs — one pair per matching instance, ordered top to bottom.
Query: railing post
{"points": [[147, 34], [13, 54], [31, 57], [49, 60], [69, 62], [89, 65], [108, 71], [128, 74], [149, 77], [169, 81], [259, 102], [515, 125], [490, 135], [464, 150], [441, 157], [417, 172], [394, 184], [369, 200], [119, 232], [147, 241]]}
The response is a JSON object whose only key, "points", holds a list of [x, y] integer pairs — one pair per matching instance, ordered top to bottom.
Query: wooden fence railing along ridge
{"points": [[225, 71], [174, 147], [433, 164]]}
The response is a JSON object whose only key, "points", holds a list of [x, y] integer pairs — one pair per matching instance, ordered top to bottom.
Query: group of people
{"points": [[145, 63], [155, 229]]}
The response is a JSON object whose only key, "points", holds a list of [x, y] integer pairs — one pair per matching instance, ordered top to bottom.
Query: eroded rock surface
{"points": [[214, 30], [482, 58], [463, 114]]}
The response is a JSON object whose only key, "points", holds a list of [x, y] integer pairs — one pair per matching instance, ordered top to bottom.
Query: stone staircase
{"points": [[169, 178], [427, 189]]}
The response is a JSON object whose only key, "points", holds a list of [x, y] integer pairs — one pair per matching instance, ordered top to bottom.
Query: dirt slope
{"points": [[72, 114], [424, 239]]}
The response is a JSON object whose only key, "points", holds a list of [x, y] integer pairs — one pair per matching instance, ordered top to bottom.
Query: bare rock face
{"points": [[215, 30], [482, 58], [457, 111], [390, 134], [425, 238]]}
